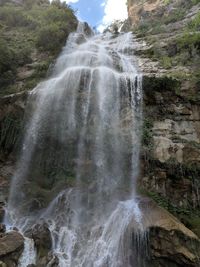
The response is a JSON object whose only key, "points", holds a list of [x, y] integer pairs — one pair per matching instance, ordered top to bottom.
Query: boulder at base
{"points": [[171, 244], [11, 248]]}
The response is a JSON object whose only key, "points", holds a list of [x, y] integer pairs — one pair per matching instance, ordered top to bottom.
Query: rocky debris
{"points": [[170, 242], [11, 248]]}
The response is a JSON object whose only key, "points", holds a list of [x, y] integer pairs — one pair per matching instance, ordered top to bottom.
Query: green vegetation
{"points": [[195, 2], [195, 23], [153, 25], [31, 32], [189, 41], [181, 49], [160, 84], [10, 130], [147, 134], [191, 218], [193, 223]]}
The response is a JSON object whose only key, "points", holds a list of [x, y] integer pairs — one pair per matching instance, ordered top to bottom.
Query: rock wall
{"points": [[137, 9], [171, 131], [173, 153]]}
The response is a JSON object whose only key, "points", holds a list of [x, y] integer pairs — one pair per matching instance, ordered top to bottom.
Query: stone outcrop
{"points": [[138, 9], [171, 130], [171, 150], [41, 235], [170, 242], [11, 248]]}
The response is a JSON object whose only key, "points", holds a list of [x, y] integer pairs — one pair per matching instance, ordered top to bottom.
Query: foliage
{"points": [[194, 2], [176, 15], [195, 23], [154, 25], [28, 30], [49, 38], [189, 41], [166, 62], [160, 84], [10, 130], [147, 134], [189, 216], [193, 223]]}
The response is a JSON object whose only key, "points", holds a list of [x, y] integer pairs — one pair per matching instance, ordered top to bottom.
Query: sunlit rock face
{"points": [[138, 9], [171, 131], [170, 242]]}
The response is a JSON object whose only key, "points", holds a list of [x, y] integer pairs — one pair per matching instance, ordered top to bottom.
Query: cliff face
{"points": [[138, 10], [169, 56]]}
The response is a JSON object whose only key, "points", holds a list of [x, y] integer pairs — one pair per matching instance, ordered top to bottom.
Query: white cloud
{"points": [[113, 10]]}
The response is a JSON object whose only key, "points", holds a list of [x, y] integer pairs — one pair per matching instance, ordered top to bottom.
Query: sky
{"points": [[99, 13]]}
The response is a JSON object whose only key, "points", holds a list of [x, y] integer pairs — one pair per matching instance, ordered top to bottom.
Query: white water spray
{"points": [[83, 134]]}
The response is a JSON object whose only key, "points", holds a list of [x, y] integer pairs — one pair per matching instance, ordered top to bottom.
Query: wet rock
{"points": [[87, 29], [2, 211], [2, 229], [41, 235], [170, 242], [11, 248], [50, 260], [53, 262], [2, 264]]}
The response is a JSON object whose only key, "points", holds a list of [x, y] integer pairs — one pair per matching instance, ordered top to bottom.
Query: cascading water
{"points": [[80, 156]]}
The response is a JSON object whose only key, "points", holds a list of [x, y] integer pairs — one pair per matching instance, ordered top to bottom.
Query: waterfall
{"points": [[80, 155], [29, 254]]}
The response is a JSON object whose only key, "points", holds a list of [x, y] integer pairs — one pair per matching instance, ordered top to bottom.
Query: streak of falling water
{"points": [[80, 156], [29, 254]]}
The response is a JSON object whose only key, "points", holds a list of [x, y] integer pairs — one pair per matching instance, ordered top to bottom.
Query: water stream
{"points": [[80, 155]]}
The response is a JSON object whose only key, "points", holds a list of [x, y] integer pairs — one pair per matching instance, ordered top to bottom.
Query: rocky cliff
{"points": [[169, 55]]}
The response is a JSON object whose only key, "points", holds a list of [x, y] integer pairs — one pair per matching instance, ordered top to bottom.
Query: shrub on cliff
{"points": [[33, 30], [50, 38], [7, 69]]}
